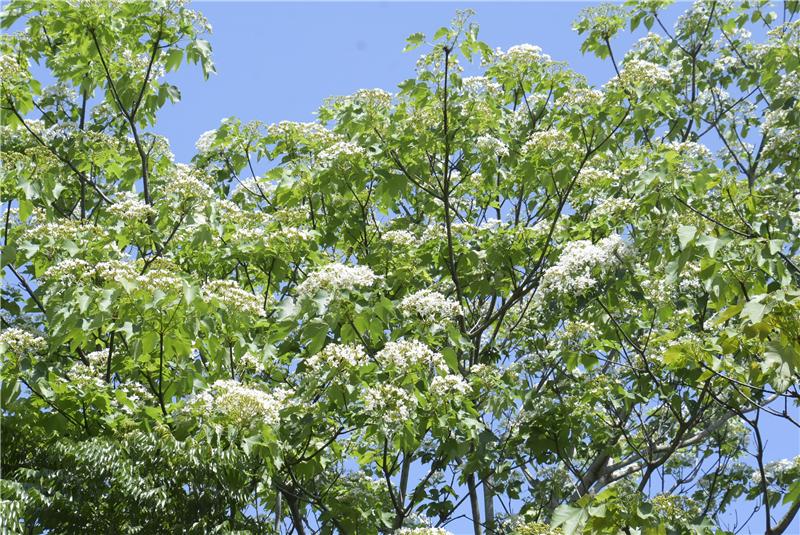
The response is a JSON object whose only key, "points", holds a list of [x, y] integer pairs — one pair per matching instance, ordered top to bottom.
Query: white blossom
{"points": [[524, 54], [639, 73], [475, 85], [580, 97], [374, 98], [305, 132], [204, 142], [548, 143], [492, 145], [340, 149], [690, 150], [591, 176], [185, 184], [129, 207], [612, 207], [401, 238], [578, 265], [115, 270], [68, 271], [337, 277], [234, 298], [431, 306], [19, 342], [403, 355], [335, 357], [250, 363], [444, 387], [242, 405], [389, 405], [775, 470], [422, 531]]}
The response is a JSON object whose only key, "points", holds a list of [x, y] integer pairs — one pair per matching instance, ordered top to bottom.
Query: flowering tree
{"points": [[513, 297]]}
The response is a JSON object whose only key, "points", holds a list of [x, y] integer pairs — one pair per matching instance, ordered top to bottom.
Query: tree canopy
{"points": [[509, 296]]}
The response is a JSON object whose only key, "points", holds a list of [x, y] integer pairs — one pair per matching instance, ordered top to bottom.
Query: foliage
{"points": [[513, 285]]}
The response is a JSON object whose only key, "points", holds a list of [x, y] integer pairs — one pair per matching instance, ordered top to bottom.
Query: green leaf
{"points": [[414, 40], [174, 58], [686, 234], [712, 244], [753, 311], [315, 333], [784, 353], [570, 519]]}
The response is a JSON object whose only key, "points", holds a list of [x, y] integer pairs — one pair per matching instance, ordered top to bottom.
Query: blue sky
{"points": [[278, 61]]}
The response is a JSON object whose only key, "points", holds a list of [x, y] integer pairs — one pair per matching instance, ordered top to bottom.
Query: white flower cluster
{"points": [[648, 45], [524, 54], [139, 63], [726, 63], [11, 72], [639, 73], [475, 85], [580, 97], [714, 97], [373, 98], [781, 131], [305, 132], [204, 142], [548, 143], [491, 145], [339, 150], [691, 150], [591, 176], [186, 185], [129, 207], [612, 207], [795, 214], [63, 229], [292, 237], [400, 238], [578, 264], [115, 270], [68, 271], [161, 277], [337, 277], [689, 281], [656, 289], [234, 298], [431, 306], [576, 331], [19, 342], [403, 355], [335, 357], [250, 363], [484, 373], [81, 376], [444, 387], [137, 396], [241, 404], [390, 405], [775, 470], [362, 489], [422, 531]]}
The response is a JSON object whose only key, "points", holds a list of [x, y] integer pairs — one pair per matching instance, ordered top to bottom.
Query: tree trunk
{"points": [[473, 502]]}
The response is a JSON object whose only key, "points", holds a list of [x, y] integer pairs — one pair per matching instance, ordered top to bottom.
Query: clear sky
{"points": [[279, 61]]}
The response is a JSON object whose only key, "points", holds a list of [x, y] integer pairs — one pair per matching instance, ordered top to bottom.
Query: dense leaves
{"points": [[545, 306]]}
